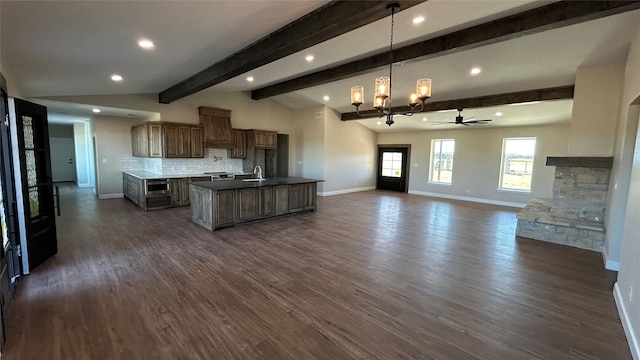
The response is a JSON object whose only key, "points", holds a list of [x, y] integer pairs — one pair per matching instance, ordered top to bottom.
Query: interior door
{"points": [[62, 159], [393, 170], [36, 183]]}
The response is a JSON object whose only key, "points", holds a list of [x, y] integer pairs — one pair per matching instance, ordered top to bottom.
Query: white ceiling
{"points": [[72, 47]]}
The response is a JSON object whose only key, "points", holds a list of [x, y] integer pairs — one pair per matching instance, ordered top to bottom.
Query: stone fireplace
{"points": [[575, 214]]}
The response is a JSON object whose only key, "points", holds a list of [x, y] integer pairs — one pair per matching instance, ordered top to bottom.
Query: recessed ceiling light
{"points": [[418, 19], [146, 44], [309, 58], [475, 71], [116, 77], [250, 78], [326, 98], [525, 103], [96, 110], [446, 111], [499, 113], [425, 119], [379, 122]]}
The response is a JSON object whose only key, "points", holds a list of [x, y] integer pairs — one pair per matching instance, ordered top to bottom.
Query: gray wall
{"points": [[61, 131]]}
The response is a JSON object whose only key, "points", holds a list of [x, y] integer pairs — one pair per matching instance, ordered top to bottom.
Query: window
{"points": [[517, 163], [392, 164], [441, 164]]}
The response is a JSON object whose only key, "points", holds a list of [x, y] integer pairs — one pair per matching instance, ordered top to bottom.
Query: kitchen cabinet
{"points": [[216, 126], [263, 139], [167, 140], [239, 149], [132, 188], [179, 189], [302, 197], [281, 199], [265, 202], [247, 204], [225, 208]]}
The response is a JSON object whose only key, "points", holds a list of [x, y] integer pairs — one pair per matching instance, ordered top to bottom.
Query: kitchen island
{"points": [[218, 204]]}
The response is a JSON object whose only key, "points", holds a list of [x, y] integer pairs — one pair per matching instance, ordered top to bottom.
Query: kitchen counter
{"points": [[148, 175], [240, 184], [218, 204]]}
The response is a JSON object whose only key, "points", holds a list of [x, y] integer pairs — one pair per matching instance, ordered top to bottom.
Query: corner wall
{"points": [[627, 288]]}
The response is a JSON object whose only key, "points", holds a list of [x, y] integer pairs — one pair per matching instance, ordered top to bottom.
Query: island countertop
{"points": [[240, 184]]}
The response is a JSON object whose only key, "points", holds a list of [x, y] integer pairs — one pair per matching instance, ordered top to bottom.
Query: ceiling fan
{"points": [[460, 120]]}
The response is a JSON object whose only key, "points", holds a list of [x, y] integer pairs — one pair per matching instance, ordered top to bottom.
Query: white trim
{"points": [[85, 185], [346, 191], [110, 196], [467, 198], [22, 226], [609, 264], [634, 346]]}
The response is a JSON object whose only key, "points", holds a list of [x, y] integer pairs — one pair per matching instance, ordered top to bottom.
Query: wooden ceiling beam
{"points": [[549, 17], [331, 20], [555, 93]]}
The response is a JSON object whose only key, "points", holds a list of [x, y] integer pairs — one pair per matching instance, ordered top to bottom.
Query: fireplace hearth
{"points": [[575, 214]]}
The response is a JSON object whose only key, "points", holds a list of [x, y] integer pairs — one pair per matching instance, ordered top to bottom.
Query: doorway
{"points": [[62, 159], [393, 167]]}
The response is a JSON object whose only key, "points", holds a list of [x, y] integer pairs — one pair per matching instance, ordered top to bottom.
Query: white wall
{"points": [[13, 87], [596, 104], [113, 142], [82, 144], [307, 144], [349, 155], [476, 164], [628, 276]]}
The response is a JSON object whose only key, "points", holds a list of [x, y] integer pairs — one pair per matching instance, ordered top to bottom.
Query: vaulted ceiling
{"points": [[60, 48]]}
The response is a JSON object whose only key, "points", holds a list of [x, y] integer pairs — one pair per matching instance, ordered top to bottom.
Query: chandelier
{"points": [[382, 90]]}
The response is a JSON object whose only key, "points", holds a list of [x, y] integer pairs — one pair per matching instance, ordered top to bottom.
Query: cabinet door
{"points": [[216, 126], [260, 138], [140, 140], [155, 140], [271, 140], [170, 141], [184, 141], [197, 148], [239, 149], [175, 188], [184, 188], [310, 193], [296, 197], [281, 198], [247, 204], [266, 206], [225, 207]]}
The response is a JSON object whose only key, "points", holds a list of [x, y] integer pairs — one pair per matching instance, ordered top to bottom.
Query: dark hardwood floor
{"points": [[370, 275]]}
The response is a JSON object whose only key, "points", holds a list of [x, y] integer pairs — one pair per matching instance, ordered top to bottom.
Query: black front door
{"points": [[393, 169], [36, 181]]}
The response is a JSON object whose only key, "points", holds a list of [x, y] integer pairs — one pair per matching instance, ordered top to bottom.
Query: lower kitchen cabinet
{"points": [[132, 188], [179, 191], [302, 197], [281, 199], [265, 202], [247, 204], [225, 207]]}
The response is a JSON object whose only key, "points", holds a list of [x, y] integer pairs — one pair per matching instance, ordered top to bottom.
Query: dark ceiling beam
{"points": [[549, 17], [331, 20], [555, 93]]}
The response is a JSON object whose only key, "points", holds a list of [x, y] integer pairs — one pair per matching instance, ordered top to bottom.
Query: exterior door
{"points": [[62, 159], [393, 169], [36, 183]]}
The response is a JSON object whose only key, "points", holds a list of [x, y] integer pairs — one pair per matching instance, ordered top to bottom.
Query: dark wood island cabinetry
{"points": [[221, 204]]}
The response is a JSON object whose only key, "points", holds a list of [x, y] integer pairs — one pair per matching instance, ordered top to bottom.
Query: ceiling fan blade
{"points": [[477, 121]]}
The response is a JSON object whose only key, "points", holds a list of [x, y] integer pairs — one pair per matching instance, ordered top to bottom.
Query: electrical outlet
{"points": [[630, 293]]}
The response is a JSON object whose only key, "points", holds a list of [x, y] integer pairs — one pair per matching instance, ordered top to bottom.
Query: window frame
{"points": [[502, 164], [431, 180]]}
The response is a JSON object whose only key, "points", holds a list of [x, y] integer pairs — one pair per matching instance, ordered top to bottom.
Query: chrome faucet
{"points": [[258, 171]]}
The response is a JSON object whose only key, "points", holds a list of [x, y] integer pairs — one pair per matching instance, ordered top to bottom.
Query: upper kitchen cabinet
{"points": [[216, 125], [263, 139], [167, 140], [239, 149]]}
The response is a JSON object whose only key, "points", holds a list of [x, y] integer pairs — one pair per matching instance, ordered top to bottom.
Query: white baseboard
{"points": [[84, 185], [346, 191], [110, 196], [468, 198], [609, 264], [634, 346]]}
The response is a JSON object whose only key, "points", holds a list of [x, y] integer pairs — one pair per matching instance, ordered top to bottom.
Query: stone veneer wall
{"points": [[575, 215]]}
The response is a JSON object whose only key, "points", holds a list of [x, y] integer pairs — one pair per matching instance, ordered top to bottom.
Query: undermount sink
{"points": [[254, 179]]}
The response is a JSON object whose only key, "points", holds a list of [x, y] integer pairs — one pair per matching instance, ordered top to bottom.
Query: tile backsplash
{"points": [[214, 160]]}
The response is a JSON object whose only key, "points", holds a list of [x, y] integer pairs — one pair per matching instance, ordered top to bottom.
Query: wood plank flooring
{"points": [[370, 275]]}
